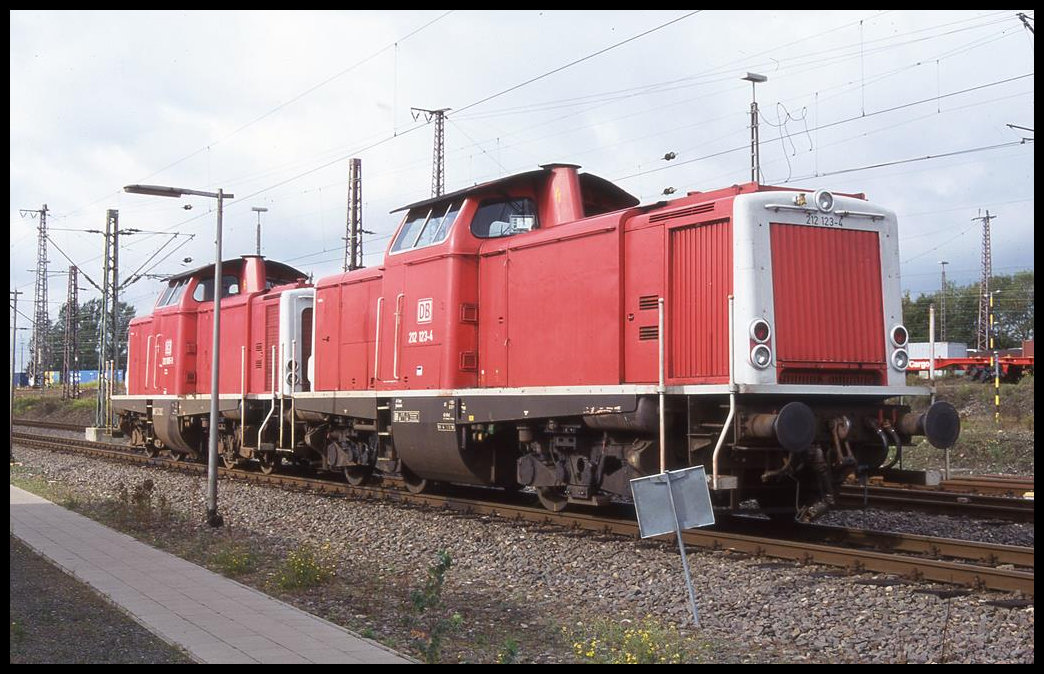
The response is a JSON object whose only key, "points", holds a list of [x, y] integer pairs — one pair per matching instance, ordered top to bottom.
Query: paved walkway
{"points": [[216, 620]]}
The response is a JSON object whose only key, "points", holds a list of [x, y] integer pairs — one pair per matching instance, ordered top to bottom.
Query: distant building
{"points": [[920, 350], [53, 378]]}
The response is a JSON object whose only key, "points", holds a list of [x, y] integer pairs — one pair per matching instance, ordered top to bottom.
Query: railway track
{"points": [[53, 425], [982, 497], [941, 500], [963, 563]]}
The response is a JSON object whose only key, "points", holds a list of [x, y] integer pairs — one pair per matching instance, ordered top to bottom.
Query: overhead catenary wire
{"points": [[507, 164]]}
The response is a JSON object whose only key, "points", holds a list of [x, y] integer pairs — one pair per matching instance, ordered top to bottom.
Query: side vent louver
{"points": [[682, 212], [648, 302], [468, 312], [646, 332], [468, 361]]}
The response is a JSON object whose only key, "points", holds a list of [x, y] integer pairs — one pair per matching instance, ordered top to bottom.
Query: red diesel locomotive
{"points": [[546, 330]]}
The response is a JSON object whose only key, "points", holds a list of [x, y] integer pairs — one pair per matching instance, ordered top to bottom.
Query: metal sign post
{"points": [[684, 504]]}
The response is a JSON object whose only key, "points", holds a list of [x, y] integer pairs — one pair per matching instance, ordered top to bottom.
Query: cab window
{"points": [[504, 217], [426, 226], [204, 292], [172, 295]]}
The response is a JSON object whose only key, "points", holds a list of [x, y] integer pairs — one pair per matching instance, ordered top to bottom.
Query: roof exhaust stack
{"points": [[562, 202]]}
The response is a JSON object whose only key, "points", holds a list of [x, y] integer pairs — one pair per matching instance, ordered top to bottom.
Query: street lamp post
{"points": [[755, 159], [259, 210], [213, 518]]}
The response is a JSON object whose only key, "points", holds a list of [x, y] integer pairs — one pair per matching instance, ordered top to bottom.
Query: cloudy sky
{"points": [[919, 110]]}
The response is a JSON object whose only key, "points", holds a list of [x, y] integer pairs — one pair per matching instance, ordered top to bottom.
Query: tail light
{"points": [[760, 331], [899, 338], [760, 344]]}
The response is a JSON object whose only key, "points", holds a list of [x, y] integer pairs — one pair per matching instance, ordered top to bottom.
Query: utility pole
{"points": [[1025, 21], [755, 159], [438, 177], [259, 210], [353, 236], [942, 302], [108, 329], [983, 332], [14, 338], [38, 346], [71, 362]]}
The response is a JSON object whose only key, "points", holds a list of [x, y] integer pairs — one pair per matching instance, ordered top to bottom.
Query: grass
{"points": [[984, 445], [55, 492], [234, 559], [304, 567], [644, 642]]}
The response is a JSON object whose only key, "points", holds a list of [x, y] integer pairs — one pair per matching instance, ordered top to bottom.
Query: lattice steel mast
{"points": [[983, 332]]}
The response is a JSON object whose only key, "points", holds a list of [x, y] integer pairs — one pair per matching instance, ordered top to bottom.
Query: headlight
{"points": [[824, 200], [761, 356], [900, 359]]}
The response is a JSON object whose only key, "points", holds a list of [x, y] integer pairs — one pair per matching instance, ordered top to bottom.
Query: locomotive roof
{"points": [[589, 183], [272, 269]]}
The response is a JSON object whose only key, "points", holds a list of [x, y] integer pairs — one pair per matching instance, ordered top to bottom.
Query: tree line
{"points": [[1012, 312], [88, 325]]}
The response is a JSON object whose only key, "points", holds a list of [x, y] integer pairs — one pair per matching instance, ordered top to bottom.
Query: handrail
{"points": [[398, 326], [377, 342], [148, 353], [275, 373], [242, 395], [732, 397]]}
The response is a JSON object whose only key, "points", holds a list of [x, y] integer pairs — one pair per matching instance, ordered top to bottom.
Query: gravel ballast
{"points": [[525, 591]]}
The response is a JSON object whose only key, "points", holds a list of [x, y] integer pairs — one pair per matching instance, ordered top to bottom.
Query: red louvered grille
{"points": [[700, 283], [828, 306]]}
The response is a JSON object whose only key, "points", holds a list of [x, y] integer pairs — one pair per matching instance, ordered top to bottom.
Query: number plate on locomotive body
{"points": [[823, 220]]}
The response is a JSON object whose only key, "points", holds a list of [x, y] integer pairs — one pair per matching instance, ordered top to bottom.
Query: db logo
{"points": [[424, 310]]}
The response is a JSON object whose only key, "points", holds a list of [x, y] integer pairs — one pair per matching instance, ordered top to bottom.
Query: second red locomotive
{"points": [[545, 330]]}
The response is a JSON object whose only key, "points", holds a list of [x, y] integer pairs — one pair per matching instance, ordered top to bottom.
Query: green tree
{"points": [[1013, 311], [88, 320]]}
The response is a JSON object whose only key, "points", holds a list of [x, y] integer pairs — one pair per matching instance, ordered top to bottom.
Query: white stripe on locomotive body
{"points": [[752, 276], [624, 389], [630, 389]]}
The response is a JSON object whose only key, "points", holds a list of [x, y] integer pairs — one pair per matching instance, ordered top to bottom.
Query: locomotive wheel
{"points": [[229, 461], [268, 463], [357, 475], [414, 484], [552, 498]]}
